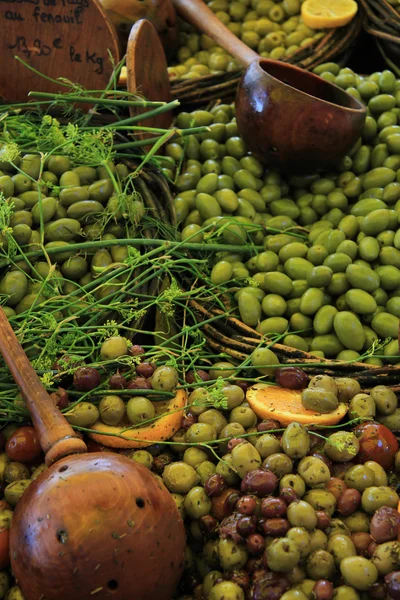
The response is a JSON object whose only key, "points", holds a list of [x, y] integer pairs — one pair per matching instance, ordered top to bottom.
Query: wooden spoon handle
{"points": [[197, 13], [56, 436]]}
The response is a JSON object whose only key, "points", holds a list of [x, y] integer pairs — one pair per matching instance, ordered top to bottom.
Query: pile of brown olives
{"points": [[326, 274]]}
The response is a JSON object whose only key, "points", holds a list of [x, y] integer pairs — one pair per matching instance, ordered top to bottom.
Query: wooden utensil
{"points": [[58, 39], [147, 72], [289, 118], [92, 524]]}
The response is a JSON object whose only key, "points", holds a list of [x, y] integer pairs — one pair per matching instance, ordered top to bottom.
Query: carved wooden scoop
{"points": [[289, 118], [92, 524]]}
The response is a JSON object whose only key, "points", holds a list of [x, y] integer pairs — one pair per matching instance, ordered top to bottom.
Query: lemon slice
{"points": [[326, 14], [283, 405]]}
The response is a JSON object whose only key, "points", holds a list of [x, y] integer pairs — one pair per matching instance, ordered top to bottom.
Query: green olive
{"points": [[164, 378], [347, 388], [112, 410], [139, 410], [83, 414], [295, 441], [342, 446], [142, 457], [245, 458], [278, 463], [314, 471], [180, 477], [359, 477], [14, 491], [375, 497], [321, 499], [302, 514], [341, 546], [231, 556], [320, 565], [359, 572]]}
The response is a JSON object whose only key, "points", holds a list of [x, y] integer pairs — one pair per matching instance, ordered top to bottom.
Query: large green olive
{"points": [[295, 441], [342, 446], [245, 458], [314, 471], [180, 477], [375, 497], [321, 499], [302, 514], [341, 546], [282, 555], [231, 556], [320, 565], [359, 572]]}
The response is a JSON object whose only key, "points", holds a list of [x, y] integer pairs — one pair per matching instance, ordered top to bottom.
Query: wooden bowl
{"points": [[293, 120]]}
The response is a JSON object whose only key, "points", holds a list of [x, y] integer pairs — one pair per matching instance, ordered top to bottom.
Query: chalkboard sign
{"points": [[59, 38]]}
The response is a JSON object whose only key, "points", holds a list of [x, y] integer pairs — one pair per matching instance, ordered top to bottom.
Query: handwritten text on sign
{"points": [[45, 15]]}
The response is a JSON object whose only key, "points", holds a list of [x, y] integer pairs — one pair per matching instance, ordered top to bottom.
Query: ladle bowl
{"points": [[289, 118], [294, 120], [92, 525], [96, 525]]}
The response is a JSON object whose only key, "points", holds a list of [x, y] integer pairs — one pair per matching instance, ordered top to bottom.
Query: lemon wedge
{"points": [[327, 14]]}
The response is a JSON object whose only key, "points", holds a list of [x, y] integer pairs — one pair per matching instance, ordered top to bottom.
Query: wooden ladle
{"points": [[289, 118], [92, 525]]}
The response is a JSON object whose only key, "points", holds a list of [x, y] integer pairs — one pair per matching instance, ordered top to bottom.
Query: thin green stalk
{"points": [[94, 100]]}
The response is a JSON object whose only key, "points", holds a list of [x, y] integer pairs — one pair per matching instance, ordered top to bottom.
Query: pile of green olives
{"points": [[273, 29], [64, 204], [326, 274], [324, 394]]}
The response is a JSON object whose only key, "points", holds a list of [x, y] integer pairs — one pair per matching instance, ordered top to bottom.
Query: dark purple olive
{"points": [[136, 350], [145, 369], [197, 376], [292, 378], [86, 379], [117, 382], [139, 383], [242, 384], [60, 398], [188, 420], [268, 425], [233, 442], [160, 462], [339, 470], [260, 482], [214, 485], [288, 495], [230, 502], [349, 502], [246, 505], [273, 507], [323, 519], [208, 525], [246, 525], [385, 525], [276, 527], [228, 528], [361, 541], [255, 544], [371, 548], [253, 564], [240, 577], [392, 581], [269, 586], [323, 590], [377, 591]]}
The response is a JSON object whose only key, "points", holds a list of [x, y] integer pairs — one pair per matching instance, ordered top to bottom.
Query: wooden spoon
{"points": [[63, 39], [147, 72], [289, 118], [92, 524]]}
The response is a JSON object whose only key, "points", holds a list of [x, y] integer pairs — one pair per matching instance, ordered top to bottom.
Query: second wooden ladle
{"points": [[289, 118], [92, 525]]}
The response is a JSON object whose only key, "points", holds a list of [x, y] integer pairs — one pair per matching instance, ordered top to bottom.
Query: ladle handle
{"points": [[197, 13], [56, 436]]}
